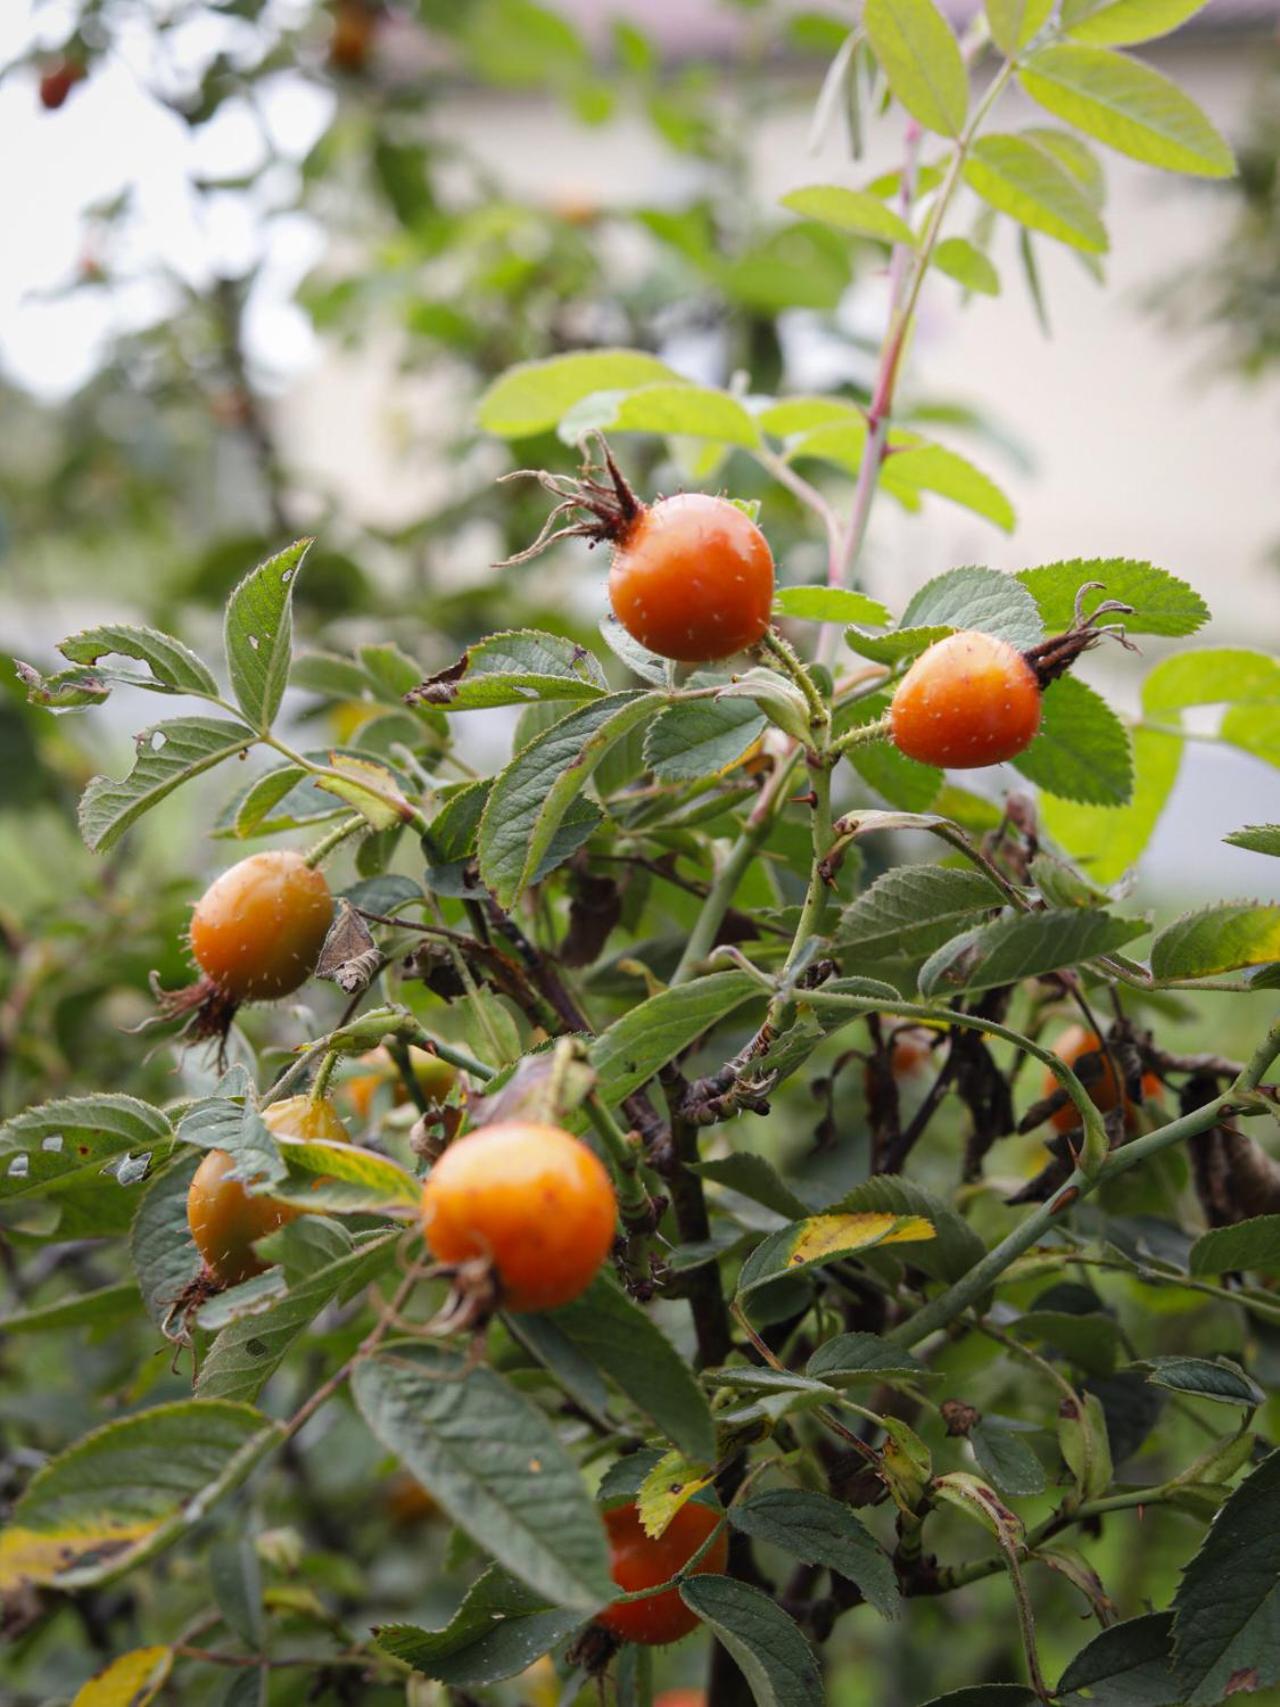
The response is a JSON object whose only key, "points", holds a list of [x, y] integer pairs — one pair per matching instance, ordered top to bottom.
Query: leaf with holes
{"points": [[258, 634], [171, 667], [514, 668], [166, 756], [67, 1143]]}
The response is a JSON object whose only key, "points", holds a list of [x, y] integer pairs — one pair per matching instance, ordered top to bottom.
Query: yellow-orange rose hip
{"points": [[533, 1200]]}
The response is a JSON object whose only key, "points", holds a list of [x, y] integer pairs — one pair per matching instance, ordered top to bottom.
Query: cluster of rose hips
{"points": [[692, 580]]}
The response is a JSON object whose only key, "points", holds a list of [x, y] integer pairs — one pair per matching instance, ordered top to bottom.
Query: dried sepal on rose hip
{"points": [[691, 576], [973, 699], [256, 935], [525, 1213]]}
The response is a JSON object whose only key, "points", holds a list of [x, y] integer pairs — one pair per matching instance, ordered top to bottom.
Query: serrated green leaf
{"points": [[1014, 22], [1121, 23], [919, 55], [1128, 106], [1018, 176], [849, 210], [967, 265], [532, 397], [676, 409], [790, 416], [917, 468], [977, 598], [829, 604], [1162, 604], [258, 634], [171, 666], [514, 668], [1216, 675], [697, 738], [1082, 749], [167, 755], [529, 799], [1257, 838], [1108, 841], [913, 909], [1221, 938], [1025, 946], [636, 1046], [68, 1142], [752, 1176], [827, 1238], [1252, 1244], [953, 1250], [163, 1253], [99, 1308], [619, 1338], [1091, 1341], [248, 1352], [846, 1358], [1205, 1378], [1006, 1460], [496, 1465], [100, 1507], [821, 1531], [1225, 1610], [498, 1631], [777, 1662], [1127, 1665]]}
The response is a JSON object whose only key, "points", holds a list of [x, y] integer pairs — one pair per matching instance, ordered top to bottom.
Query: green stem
{"points": [[784, 653], [863, 735], [325, 846], [819, 891], [720, 895], [454, 1056], [320, 1084], [632, 1197]]}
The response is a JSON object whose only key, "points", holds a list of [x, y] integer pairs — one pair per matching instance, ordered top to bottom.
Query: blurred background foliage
{"points": [[150, 490]]}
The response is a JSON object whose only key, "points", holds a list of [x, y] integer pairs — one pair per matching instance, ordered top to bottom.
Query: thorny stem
{"points": [[325, 846]]}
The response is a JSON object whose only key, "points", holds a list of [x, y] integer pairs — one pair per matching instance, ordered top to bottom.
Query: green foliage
{"points": [[901, 1333]]}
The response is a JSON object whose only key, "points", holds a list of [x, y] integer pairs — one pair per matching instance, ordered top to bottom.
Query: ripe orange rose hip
{"points": [[692, 575], [692, 579], [970, 700], [257, 930], [1097, 1075], [534, 1200], [226, 1219], [636, 1561]]}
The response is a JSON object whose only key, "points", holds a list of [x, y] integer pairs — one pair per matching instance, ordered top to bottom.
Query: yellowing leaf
{"points": [[377, 807], [825, 1236], [672, 1482], [40, 1555], [130, 1681]]}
